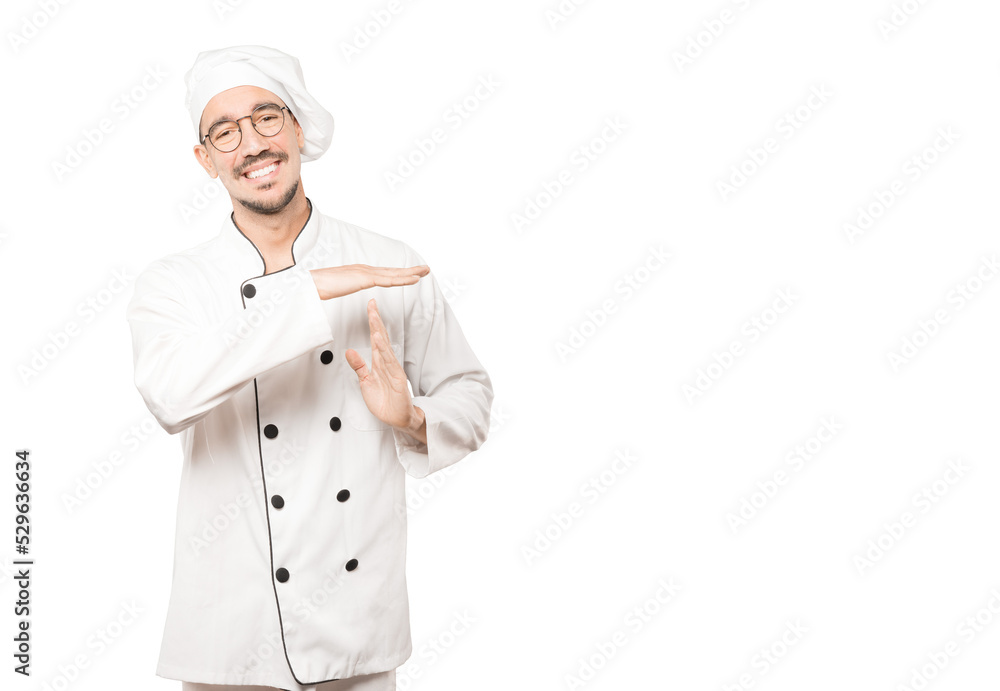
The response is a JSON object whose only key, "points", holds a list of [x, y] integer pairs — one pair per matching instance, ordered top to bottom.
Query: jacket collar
{"points": [[243, 247]]}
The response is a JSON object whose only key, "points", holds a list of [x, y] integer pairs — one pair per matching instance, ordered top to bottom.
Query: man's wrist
{"points": [[417, 428]]}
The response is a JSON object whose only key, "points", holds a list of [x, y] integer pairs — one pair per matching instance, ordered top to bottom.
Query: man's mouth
{"points": [[262, 172]]}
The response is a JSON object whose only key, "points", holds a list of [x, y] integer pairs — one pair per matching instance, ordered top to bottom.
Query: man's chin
{"points": [[267, 204]]}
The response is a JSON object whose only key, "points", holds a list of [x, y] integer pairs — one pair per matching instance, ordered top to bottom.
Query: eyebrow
{"points": [[227, 116]]}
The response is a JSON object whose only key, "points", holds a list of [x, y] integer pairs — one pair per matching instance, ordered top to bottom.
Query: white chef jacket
{"points": [[290, 551]]}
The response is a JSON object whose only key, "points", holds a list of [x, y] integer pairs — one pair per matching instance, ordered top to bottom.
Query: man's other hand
{"points": [[337, 281], [384, 385]]}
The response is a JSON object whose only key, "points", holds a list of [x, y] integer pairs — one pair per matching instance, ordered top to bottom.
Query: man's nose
{"points": [[253, 141]]}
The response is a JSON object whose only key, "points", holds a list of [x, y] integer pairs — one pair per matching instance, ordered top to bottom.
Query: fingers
{"points": [[394, 276], [375, 323], [383, 359], [378, 360], [360, 367]]}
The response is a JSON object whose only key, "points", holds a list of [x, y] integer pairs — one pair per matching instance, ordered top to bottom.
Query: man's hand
{"points": [[337, 281], [384, 385]]}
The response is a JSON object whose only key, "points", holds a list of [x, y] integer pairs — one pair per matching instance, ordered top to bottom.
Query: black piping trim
{"points": [[232, 217], [260, 450]]}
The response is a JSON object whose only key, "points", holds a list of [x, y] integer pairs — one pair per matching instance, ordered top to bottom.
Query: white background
{"points": [[522, 294]]}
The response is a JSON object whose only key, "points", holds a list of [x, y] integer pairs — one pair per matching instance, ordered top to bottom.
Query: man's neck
{"points": [[273, 234]]}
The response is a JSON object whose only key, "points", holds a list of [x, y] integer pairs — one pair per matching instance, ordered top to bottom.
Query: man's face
{"points": [[268, 193]]}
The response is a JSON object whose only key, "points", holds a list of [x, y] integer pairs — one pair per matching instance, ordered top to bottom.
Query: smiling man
{"points": [[307, 365]]}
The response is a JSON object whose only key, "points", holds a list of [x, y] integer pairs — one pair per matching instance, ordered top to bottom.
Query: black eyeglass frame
{"points": [[239, 129]]}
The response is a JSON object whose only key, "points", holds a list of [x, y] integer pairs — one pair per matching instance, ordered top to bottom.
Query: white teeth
{"points": [[262, 171]]}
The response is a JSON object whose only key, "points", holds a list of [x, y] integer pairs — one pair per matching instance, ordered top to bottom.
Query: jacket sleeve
{"points": [[186, 365], [449, 383]]}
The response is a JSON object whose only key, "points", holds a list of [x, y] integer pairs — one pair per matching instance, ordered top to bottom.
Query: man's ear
{"points": [[300, 136], [201, 154]]}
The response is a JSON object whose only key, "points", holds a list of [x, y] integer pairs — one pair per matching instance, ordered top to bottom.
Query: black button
{"points": [[249, 290], [326, 357], [335, 423], [270, 431], [343, 495], [277, 502], [351, 565], [281, 574]]}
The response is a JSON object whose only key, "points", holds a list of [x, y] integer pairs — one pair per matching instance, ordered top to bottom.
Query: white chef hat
{"points": [[215, 71]]}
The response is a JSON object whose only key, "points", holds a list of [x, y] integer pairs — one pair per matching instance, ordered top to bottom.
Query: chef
{"points": [[307, 365]]}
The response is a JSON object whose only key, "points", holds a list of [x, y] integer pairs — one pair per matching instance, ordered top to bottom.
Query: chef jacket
{"points": [[290, 549]]}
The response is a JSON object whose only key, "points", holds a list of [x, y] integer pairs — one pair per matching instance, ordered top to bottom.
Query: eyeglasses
{"points": [[267, 119]]}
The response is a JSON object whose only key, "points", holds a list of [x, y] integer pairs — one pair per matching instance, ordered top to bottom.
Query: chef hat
{"points": [[215, 71]]}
